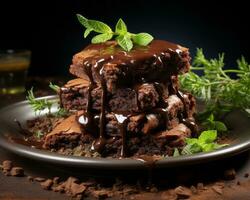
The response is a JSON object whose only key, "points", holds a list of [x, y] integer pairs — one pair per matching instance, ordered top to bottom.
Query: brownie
{"points": [[107, 62], [142, 97], [69, 132], [66, 133]]}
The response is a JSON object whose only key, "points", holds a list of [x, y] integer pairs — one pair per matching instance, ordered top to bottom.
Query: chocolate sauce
{"points": [[110, 53], [184, 117], [122, 120]]}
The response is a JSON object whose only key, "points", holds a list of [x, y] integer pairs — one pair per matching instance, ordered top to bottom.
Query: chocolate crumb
{"points": [[7, 165], [17, 171], [6, 173], [229, 174], [246, 175], [30, 178], [39, 179], [56, 180], [238, 183], [46, 185], [200, 186], [59, 188], [77, 189], [153, 189], [193, 189], [217, 189], [182, 192], [101, 193], [79, 197]]}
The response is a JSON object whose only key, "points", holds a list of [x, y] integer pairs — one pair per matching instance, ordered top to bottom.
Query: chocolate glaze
{"points": [[105, 51], [110, 53], [184, 118]]}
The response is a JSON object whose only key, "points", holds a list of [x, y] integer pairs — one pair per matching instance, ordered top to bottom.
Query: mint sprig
{"points": [[125, 39], [211, 124], [204, 143]]}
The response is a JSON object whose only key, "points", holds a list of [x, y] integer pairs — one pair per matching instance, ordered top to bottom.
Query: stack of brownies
{"points": [[126, 103]]}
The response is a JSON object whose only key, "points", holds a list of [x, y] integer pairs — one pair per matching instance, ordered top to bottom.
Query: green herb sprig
{"points": [[124, 38], [54, 87], [216, 87], [38, 104], [211, 124], [38, 134], [204, 143]]}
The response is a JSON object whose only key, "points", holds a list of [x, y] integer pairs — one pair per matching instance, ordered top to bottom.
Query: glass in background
{"points": [[14, 66]]}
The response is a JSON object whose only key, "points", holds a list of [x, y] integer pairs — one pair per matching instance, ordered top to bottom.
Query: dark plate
{"points": [[238, 122]]}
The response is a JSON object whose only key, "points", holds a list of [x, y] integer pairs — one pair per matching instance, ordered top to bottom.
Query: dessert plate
{"points": [[238, 122]]}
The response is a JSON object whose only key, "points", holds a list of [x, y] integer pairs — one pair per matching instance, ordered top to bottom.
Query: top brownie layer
{"points": [[109, 64]]}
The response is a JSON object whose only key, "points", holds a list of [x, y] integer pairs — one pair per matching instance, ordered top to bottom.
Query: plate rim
{"points": [[114, 163]]}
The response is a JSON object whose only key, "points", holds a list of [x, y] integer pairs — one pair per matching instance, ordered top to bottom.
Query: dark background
{"points": [[50, 28]]}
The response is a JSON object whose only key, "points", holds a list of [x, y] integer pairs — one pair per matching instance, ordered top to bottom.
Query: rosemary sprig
{"points": [[54, 87], [216, 87], [38, 104]]}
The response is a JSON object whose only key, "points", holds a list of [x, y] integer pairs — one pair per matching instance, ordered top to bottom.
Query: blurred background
{"points": [[51, 31]]}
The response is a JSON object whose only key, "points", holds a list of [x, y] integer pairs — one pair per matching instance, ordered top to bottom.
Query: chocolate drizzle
{"points": [[110, 53], [184, 118]]}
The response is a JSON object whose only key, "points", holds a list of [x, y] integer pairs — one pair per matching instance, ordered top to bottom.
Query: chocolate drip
{"points": [[111, 54], [181, 97], [87, 118], [184, 118], [123, 120], [99, 144]]}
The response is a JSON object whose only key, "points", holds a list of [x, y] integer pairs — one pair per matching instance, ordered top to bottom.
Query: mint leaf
{"points": [[82, 20], [99, 27], [121, 27], [87, 32], [101, 38], [124, 38], [142, 39], [125, 42], [211, 118], [211, 124], [220, 126], [208, 136], [191, 140], [208, 147], [191, 149], [176, 152]]}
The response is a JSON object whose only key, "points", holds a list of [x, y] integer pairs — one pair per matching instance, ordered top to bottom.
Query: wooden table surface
{"points": [[17, 188]]}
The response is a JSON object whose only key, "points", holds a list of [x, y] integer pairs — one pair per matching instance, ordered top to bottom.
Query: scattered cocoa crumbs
{"points": [[7, 165], [17, 171], [229, 174], [30, 178], [39, 179], [56, 180], [46, 185], [200, 186], [58, 188], [77, 189], [153, 189], [193, 189], [217, 189], [182, 192], [102, 193]]}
